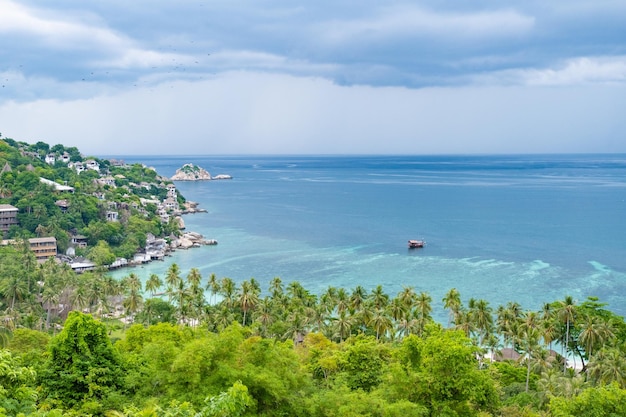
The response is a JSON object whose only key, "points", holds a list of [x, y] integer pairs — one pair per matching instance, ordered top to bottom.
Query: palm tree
{"points": [[172, 278], [194, 278], [132, 283], [153, 283], [214, 286], [276, 287], [14, 288], [227, 291], [182, 295], [408, 297], [357, 298], [378, 298], [49, 299], [133, 299], [248, 299], [328, 299], [343, 301], [452, 302], [132, 303], [423, 305], [398, 309], [264, 314], [567, 314], [318, 317], [222, 318], [363, 318], [483, 320], [507, 321], [465, 322], [381, 323], [342, 324], [549, 324], [296, 326], [407, 326], [594, 334], [528, 342], [607, 366]]}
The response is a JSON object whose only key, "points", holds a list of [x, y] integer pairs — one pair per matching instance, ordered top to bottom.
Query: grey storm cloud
{"points": [[322, 77]]}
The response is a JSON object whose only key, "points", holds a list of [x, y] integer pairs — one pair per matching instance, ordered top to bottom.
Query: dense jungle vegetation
{"points": [[202, 346]]}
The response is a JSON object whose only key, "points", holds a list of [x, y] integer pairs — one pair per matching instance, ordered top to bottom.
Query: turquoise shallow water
{"points": [[529, 229]]}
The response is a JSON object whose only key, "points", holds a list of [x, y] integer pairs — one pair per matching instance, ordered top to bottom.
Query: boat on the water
{"points": [[416, 244]]}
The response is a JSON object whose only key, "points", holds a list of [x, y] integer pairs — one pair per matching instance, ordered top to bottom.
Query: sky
{"points": [[141, 77]]}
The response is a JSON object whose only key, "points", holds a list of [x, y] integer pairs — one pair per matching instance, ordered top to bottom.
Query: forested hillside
{"points": [[86, 191]]}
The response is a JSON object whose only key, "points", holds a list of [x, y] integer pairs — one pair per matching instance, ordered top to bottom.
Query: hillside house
{"points": [[92, 164], [77, 166], [8, 217], [79, 241]]}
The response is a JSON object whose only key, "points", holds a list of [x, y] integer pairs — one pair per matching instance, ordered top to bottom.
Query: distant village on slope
{"points": [[116, 196]]}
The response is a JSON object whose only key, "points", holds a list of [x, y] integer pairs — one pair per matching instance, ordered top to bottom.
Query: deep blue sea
{"points": [[530, 228]]}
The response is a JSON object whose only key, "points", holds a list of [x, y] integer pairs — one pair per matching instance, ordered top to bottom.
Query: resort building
{"points": [[8, 217], [43, 247]]}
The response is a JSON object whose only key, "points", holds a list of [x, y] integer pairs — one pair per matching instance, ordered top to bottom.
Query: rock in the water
{"points": [[191, 172]]}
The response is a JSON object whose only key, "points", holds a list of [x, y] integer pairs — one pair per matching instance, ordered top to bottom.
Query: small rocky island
{"points": [[191, 172]]}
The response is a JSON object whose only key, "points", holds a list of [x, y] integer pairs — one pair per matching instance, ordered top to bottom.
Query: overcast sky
{"points": [[323, 77]]}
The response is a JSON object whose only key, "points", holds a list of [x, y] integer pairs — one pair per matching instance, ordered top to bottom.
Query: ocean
{"points": [[524, 228]]}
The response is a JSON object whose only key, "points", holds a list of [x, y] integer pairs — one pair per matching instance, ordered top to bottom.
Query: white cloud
{"points": [[415, 21], [53, 30], [80, 32], [576, 71], [581, 71]]}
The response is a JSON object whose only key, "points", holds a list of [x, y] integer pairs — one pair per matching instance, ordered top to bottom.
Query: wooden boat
{"points": [[416, 244]]}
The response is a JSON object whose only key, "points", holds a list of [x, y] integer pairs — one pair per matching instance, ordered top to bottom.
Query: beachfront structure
{"points": [[8, 217], [43, 247]]}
